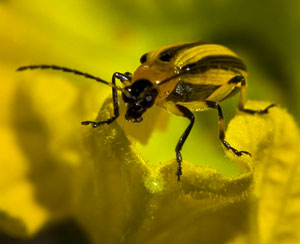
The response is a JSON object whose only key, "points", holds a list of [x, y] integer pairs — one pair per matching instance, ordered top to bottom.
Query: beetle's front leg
{"points": [[122, 78], [215, 105], [188, 114]]}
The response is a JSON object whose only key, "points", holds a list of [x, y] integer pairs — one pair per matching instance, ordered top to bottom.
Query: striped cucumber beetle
{"points": [[180, 78]]}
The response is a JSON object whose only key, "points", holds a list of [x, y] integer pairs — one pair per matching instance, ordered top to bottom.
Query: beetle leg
{"points": [[128, 75], [122, 78], [241, 79], [215, 105], [263, 111], [188, 114]]}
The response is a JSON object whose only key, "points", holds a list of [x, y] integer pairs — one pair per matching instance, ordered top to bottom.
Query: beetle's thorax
{"points": [[156, 72]]}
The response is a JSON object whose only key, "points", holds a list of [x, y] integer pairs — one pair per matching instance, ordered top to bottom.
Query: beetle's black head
{"points": [[140, 99]]}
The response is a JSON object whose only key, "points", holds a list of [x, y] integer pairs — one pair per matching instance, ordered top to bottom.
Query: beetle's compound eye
{"points": [[143, 59], [149, 98]]}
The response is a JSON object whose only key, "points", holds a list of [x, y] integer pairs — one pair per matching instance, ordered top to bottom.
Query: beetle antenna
{"points": [[64, 69]]}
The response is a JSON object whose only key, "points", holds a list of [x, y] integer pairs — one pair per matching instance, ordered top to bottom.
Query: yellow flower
{"points": [[53, 168], [138, 203]]}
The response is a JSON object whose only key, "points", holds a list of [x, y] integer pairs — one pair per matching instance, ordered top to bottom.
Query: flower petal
{"points": [[138, 203]]}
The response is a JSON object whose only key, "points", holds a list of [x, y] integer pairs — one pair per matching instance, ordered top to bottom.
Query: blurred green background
{"points": [[101, 37]]}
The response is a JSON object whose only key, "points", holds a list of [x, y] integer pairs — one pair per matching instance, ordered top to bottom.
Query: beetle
{"points": [[181, 78]]}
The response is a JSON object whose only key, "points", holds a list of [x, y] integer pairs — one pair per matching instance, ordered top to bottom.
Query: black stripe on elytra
{"points": [[171, 52], [143, 59], [225, 62], [237, 79], [186, 92]]}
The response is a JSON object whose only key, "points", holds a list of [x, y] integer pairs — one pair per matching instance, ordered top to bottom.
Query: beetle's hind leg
{"points": [[122, 77], [241, 79], [215, 105], [263, 111]]}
